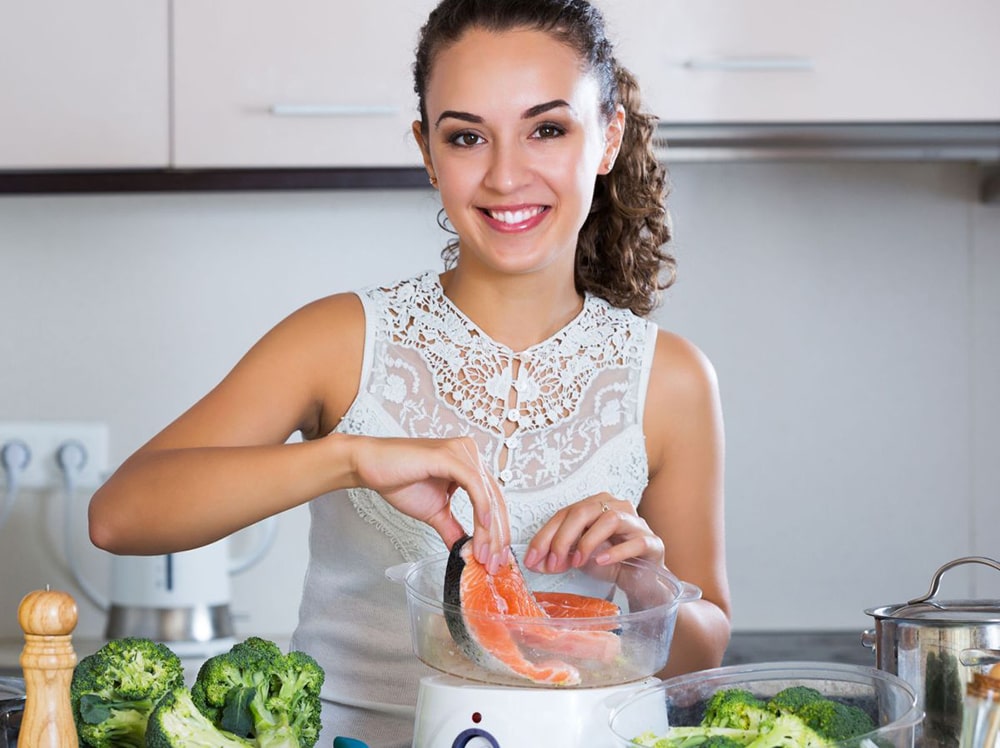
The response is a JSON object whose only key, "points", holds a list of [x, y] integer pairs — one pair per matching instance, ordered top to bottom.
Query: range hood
{"points": [[935, 141], [976, 142]]}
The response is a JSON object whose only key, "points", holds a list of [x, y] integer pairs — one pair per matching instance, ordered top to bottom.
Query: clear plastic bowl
{"points": [[647, 596], [891, 701]]}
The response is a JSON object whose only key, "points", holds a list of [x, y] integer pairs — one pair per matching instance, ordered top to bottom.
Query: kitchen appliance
{"points": [[181, 599], [936, 645], [680, 701], [483, 704], [11, 709]]}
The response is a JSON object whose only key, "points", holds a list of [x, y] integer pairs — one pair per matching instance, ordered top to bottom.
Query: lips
{"points": [[518, 218]]}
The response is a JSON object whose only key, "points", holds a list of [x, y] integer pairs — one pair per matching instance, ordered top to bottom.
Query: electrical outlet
{"points": [[86, 440]]}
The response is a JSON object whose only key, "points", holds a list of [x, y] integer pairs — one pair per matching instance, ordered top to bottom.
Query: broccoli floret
{"points": [[114, 690], [255, 691], [791, 700], [737, 708], [836, 721], [177, 723], [789, 731]]}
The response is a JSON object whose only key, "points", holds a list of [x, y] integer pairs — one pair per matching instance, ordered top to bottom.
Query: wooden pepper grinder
{"points": [[47, 618]]}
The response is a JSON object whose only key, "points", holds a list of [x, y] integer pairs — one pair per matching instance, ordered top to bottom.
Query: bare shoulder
{"points": [[327, 337], [680, 370], [682, 399]]}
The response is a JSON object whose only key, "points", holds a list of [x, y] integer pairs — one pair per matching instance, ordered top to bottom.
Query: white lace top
{"points": [[557, 423]]}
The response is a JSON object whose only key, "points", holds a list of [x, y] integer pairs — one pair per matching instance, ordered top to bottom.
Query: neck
{"points": [[517, 311]]}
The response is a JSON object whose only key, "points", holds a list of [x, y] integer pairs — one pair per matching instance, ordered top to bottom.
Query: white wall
{"points": [[849, 309]]}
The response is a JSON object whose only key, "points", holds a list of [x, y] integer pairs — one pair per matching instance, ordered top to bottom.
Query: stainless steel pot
{"points": [[935, 646], [11, 709]]}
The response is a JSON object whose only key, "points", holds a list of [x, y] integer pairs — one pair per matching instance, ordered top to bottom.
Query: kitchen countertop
{"points": [[745, 647], [10, 654]]}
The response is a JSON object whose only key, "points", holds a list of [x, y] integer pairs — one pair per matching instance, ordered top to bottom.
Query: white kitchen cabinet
{"points": [[766, 61], [302, 83], [84, 84]]}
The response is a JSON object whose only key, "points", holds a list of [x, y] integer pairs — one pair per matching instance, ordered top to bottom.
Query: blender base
{"points": [[457, 713]]}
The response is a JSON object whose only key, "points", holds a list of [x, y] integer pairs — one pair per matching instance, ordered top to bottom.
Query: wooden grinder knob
{"points": [[47, 618]]}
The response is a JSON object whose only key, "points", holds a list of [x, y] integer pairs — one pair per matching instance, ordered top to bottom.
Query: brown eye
{"points": [[549, 131], [465, 139]]}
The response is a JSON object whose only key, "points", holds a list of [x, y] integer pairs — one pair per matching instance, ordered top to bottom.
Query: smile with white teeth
{"points": [[514, 216]]}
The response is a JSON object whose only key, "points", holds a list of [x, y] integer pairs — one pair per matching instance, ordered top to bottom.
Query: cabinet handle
{"points": [[754, 64], [332, 110]]}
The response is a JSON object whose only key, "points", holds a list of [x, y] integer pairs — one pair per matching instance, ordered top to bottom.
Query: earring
{"points": [[433, 180]]}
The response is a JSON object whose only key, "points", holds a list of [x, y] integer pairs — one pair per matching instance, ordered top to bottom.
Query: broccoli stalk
{"points": [[114, 690], [255, 691], [177, 723]]}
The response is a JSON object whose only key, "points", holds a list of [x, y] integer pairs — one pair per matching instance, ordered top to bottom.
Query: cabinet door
{"points": [[725, 61], [306, 83], [84, 84]]}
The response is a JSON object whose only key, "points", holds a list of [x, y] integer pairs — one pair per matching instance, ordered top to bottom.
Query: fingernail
{"points": [[483, 554], [577, 559], [602, 559], [553, 562], [494, 565]]}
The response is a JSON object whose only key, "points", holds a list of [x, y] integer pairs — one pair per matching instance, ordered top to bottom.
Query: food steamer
{"points": [[482, 705]]}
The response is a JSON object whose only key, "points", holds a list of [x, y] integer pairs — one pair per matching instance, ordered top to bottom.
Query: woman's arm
{"points": [[224, 464], [683, 503]]}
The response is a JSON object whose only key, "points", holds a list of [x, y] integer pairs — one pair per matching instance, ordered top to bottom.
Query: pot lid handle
{"points": [[936, 581]]}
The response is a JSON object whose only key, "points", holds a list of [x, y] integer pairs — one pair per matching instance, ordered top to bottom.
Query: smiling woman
{"points": [[520, 395]]}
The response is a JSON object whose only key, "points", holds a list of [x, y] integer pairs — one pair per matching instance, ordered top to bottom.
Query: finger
{"points": [[585, 526], [449, 528], [491, 531], [646, 546]]}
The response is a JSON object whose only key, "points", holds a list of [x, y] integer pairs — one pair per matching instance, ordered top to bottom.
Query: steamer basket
{"points": [[647, 596], [680, 701]]}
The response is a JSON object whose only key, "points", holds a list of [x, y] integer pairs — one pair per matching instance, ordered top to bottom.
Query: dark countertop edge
{"points": [[209, 180]]}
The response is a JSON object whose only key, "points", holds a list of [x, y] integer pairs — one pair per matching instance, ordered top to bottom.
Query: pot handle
{"points": [[397, 573], [936, 581], [978, 657]]}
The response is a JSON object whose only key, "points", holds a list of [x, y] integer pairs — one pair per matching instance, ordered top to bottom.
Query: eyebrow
{"points": [[528, 113]]}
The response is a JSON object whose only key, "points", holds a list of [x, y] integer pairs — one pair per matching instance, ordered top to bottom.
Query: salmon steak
{"points": [[491, 619]]}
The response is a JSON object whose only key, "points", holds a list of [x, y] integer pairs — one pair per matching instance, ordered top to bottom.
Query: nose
{"points": [[508, 168]]}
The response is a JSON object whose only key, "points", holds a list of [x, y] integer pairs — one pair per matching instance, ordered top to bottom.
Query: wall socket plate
{"points": [[44, 440]]}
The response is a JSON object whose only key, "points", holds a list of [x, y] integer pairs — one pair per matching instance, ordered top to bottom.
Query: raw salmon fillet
{"points": [[478, 607]]}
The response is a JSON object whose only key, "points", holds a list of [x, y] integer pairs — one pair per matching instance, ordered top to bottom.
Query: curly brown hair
{"points": [[620, 253]]}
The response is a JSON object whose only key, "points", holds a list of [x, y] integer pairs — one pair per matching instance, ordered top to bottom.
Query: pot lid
{"points": [[929, 608], [946, 611]]}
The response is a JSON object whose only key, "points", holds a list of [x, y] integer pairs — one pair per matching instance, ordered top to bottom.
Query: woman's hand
{"points": [[419, 476], [600, 527]]}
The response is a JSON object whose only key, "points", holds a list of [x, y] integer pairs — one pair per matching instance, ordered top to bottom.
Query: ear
{"points": [[613, 134], [425, 152]]}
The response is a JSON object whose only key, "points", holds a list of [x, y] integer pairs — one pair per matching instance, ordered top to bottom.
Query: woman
{"points": [[521, 385]]}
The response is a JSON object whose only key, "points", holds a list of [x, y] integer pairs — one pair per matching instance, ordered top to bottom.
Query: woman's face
{"points": [[515, 141]]}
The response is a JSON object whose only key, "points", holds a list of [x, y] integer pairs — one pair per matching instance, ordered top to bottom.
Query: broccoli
{"points": [[114, 690], [254, 691], [791, 700], [737, 708], [796, 717], [836, 721], [177, 723], [789, 731]]}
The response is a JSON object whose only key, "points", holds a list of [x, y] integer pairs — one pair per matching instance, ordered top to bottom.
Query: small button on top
{"points": [[513, 415], [506, 475]]}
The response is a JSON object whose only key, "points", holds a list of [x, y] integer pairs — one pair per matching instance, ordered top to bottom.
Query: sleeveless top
{"points": [[556, 423]]}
